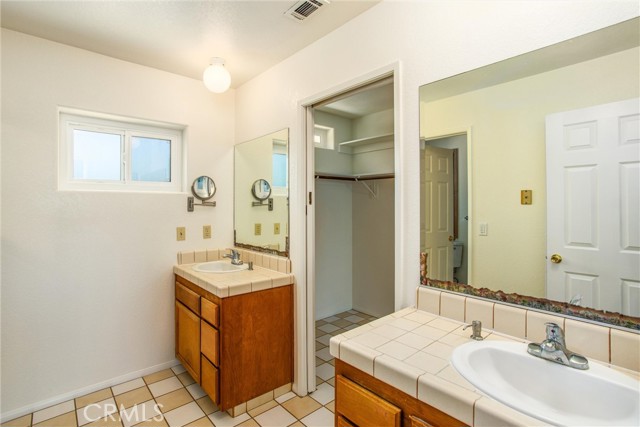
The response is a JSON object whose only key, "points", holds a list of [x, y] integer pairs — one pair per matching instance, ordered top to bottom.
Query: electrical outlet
{"points": [[526, 197], [276, 228], [257, 229], [206, 231], [181, 233]]}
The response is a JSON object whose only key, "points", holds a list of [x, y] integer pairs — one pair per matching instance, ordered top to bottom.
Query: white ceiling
{"points": [[181, 36]]}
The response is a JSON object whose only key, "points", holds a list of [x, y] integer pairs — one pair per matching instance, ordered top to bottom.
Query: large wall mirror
{"points": [[531, 173], [262, 223]]}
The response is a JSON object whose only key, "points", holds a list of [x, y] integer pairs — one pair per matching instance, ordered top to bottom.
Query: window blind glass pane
{"points": [[97, 156], [150, 159], [279, 170]]}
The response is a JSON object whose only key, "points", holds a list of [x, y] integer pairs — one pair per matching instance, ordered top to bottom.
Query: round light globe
{"points": [[216, 77]]}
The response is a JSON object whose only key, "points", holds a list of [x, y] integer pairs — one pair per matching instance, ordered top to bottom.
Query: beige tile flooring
{"points": [[170, 398]]}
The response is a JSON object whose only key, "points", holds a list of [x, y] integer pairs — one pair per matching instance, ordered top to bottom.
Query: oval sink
{"points": [[219, 267], [553, 393]]}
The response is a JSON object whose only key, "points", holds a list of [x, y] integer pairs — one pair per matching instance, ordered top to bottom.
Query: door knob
{"points": [[451, 238], [556, 258]]}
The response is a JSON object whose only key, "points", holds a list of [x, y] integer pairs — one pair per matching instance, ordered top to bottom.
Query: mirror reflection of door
{"points": [[593, 196], [444, 218]]}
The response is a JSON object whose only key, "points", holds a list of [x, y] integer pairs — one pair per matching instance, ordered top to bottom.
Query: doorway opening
{"points": [[445, 206], [350, 217]]}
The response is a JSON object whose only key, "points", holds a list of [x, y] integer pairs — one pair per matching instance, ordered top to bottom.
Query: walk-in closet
{"points": [[354, 202]]}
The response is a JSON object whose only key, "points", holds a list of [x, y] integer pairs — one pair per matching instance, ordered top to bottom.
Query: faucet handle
{"points": [[555, 332]]}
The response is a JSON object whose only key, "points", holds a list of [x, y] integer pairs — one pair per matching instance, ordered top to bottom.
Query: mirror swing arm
{"points": [[191, 203]]}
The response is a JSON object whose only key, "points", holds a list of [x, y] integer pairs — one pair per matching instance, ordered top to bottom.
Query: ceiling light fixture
{"points": [[216, 77]]}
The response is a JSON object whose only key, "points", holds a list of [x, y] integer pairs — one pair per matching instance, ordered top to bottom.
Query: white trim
{"points": [[306, 347], [28, 409]]}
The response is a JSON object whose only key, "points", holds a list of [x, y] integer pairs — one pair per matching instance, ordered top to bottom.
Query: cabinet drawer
{"points": [[188, 298], [210, 312], [209, 342], [210, 380], [362, 407], [343, 422], [417, 422]]}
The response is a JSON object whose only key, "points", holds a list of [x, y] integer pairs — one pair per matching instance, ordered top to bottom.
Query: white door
{"points": [[593, 206], [437, 224]]}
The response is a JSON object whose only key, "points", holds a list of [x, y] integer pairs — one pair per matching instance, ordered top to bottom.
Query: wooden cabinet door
{"points": [[188, 340], [209, 340], [364, 408], [343, 422], [417, 422]]}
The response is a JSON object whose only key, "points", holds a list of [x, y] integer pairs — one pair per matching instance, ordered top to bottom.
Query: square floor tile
{"points": [[331, 319], [354, 319], [328, 328], [324, 340], [324, 354], [178, 369], [325, 371], [158, 376], [186, 379], [128, 386], [165, 386], [196, 391], [324, 394], [133, 397], [285, 397], [90, 398], [173, 400], [207, 405], [301, 406], [53, 411], [95, 411], [139, 413], [184, 415], [276, 417], [320, 418], [223, 419], [64, 420], [24, 421], [202, 422]]}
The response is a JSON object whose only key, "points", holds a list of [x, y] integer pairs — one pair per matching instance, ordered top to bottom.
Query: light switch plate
{"points": [[276, 228], [258, 229], [484, 229], [206, 231], [181, 233]]}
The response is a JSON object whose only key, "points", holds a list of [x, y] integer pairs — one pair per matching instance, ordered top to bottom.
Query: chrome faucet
{"points": [[235, 257], [476, 329], [554, 349]]}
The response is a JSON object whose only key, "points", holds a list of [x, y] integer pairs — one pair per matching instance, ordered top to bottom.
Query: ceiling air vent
{"points": [[303, 9]]}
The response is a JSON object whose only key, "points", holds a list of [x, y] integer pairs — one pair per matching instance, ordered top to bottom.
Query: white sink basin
{"points": [[219, 267], [553, 393]]}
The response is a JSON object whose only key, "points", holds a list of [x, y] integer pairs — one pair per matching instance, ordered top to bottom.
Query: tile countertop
{"points": [[229, 284], [411, 350]]}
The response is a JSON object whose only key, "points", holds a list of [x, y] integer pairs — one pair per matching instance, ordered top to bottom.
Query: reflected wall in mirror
{"points": [[563, 122], [263, 159]]}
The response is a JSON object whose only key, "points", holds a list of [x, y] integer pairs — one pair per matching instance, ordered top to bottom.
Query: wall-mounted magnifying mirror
{"points": [[203, 188], [261, 189]]}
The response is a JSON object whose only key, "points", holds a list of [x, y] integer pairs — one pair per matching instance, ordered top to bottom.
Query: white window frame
{"points": [[128, 128], [326, 135]]}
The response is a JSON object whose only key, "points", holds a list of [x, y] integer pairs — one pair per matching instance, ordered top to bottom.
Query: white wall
{"points": [[430, 40], [334, 247], [373, 247], [87, 289]]}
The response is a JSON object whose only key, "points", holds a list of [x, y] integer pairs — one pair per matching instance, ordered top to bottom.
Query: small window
{"points": [[323, 137], [107, 153], [280, 168]]}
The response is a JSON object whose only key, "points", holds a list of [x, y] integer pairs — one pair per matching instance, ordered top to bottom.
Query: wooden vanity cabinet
{"points": [[237, 348], [363, 400]]}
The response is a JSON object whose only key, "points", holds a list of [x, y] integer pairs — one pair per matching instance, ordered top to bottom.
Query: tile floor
{"points": [[170, 398]]}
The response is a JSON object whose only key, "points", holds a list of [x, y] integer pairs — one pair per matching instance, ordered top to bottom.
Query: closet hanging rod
{"points": [[355, 177]]}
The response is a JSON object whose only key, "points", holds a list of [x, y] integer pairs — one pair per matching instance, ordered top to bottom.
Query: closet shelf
{"points": [[366, 141], [361, 177]]}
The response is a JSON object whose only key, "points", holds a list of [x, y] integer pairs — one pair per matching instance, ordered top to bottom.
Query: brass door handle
{"points": [[451, 238], [556, 258]]}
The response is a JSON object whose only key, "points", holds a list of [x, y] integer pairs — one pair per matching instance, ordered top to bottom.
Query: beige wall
{"points": [[508, 155]]}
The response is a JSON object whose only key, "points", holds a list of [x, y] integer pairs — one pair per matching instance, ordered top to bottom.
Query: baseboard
{"points": [[16, 413]]}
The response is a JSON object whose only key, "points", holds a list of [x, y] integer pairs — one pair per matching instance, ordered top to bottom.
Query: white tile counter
{"points": [[240, 282], [410, 350]]}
